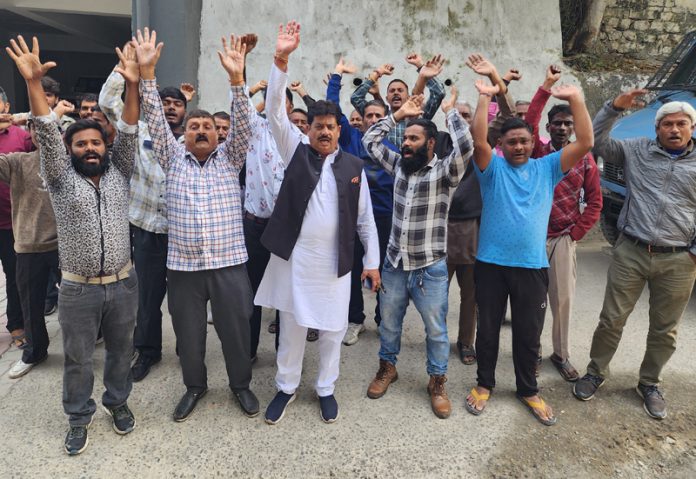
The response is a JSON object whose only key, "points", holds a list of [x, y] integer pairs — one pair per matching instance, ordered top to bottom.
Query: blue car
{"points": [[674, 81]]}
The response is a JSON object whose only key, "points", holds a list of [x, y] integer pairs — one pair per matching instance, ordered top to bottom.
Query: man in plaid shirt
{"points": [[206, 255], [415, 267]]}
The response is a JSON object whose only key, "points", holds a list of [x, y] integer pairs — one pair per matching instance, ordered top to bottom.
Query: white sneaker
{"points": [[352, 333], [19, 369]]}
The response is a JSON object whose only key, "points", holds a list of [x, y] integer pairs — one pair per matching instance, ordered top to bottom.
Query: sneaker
{"points": [[50, 308], [354, 329], [312, 335], [142, 365], [20, 368], [586, 387], [653, 402], [276, 409], [328, 409], [123, 419], [76, 441]]}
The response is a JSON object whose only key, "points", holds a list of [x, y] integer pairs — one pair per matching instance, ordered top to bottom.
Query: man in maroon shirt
{"points": [[12, 139], [577, 203]]}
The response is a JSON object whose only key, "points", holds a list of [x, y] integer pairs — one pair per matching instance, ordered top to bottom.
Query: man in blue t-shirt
{"points": [[511, 261]]}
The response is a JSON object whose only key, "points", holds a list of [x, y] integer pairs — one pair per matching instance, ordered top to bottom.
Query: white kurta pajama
{"points": [[306, 289]]}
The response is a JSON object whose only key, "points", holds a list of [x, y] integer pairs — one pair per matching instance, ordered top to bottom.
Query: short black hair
{"points": [[397, 80], [49, 85], [172, 92], [3, 95], [91, 97], [378, 103], [323, 108], [556, 109], [299, 110], [197, 114], [222, 115], [515, 124], [81, 125], [428, 126]]}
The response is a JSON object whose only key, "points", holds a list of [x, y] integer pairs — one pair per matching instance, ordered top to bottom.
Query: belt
{"points": [[255, 219], [655, 249], [123, 274]]}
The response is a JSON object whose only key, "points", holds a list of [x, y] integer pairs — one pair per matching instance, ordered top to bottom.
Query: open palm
{"points": [[288, 38], [146, 48], [232, 56], [28, 62], [128, 67], [486, 89], [565, 92], [412, 107]]}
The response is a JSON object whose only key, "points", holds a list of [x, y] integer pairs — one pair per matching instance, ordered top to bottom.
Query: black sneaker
{"points": [[50, 308], [141, 367], [586, 387], [653, 402], [276, 409], [123, 419], [76, 441]]}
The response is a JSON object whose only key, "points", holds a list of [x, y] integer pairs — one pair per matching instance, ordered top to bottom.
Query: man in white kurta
{"points": [[306, 287]]}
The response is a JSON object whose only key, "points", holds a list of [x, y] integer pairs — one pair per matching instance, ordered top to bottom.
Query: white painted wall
{"points": [[525, 35]]}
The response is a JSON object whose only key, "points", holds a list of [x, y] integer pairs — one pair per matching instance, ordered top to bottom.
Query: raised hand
{"points": [[288, 39], [250, 40], [147, 51], [232, 59], [414, 59], [28, 62], [480, 65], [128, 66], [344, 67], [433, 67], [386, 69], [513, 74], [553, 74], [258, 86], [298, 88], [486, 89], [188, 90], [374, 90], [566, 92], [630, 99], [449, 103], [63, 107], [412, 108]]}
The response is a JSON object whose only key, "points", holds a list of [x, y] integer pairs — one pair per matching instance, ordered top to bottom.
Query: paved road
{"points": [[396, 436]]}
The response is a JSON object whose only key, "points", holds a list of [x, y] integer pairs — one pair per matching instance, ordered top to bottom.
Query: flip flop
{"points": [[567, 371], [477, 397], [534, 406]]}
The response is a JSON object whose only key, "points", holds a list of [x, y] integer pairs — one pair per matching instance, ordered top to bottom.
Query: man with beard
{"points": [[397, 91], [88, 104], [222, 125], [577, 203], [322, 204], [657, 243], [206, 255], [511, 260], [415, 268], [99, 286]]}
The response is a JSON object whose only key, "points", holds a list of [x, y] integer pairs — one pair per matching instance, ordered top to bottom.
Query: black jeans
{"points": [[150, 254], [33, 271], [52, 286], [527, 289], [230, 296], [356, 306], [15, 320]]}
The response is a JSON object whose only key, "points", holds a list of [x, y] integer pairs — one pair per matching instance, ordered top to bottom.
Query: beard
{"points": [[418, 159], [90, 170]]}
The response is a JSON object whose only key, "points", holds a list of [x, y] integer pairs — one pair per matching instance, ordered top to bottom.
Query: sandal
{"points": [[312, 335], [19, 338], [467, 354], [567, 371], [477, 397], [534, 407]]}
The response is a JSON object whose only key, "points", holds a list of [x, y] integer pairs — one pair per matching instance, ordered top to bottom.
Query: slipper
{"points": [[467, 354], [567, 371], [477, 397], [534, 406]]}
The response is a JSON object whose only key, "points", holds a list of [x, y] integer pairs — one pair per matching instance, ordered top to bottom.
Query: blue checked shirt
{"points": [[421, 200], [204, 202], [148, 207]]}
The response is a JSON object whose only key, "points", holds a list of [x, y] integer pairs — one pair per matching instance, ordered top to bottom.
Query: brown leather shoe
{"points": [[385, 376], [438, 396]]}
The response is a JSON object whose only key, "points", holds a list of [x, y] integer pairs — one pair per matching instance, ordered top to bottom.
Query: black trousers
{"points": [[150, 258], [33, 271], [52, 286], [527, 289], [229, 292], [356, 306], [15, 320]]}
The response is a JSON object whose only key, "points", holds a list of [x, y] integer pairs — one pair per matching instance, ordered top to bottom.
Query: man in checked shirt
{"points": [[206, 253], [415, 267]]}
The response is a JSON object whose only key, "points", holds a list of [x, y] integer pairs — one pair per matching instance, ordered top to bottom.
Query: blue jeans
{"points": [[427, 288]]}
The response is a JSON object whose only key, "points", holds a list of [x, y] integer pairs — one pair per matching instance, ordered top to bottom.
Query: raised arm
{"points": [[479, 64], [428, 76], [333, 94], [358, 98], [537, 105], [282, 129], [584, 138], [462, 142], [164, 144], [609, 149], [483, 152]]}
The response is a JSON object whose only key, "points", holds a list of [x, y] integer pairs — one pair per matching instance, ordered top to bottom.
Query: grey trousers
{"points": [[229, 292], [82, 309]]}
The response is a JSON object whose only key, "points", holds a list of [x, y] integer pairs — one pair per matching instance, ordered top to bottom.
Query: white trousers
{"points": [[291, 347]]}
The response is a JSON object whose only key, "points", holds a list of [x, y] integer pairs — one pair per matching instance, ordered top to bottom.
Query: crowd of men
{"points": [[301, 210]]}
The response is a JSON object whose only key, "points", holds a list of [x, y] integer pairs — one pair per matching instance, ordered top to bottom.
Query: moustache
{"points": [[201, 137], [324, 137]]}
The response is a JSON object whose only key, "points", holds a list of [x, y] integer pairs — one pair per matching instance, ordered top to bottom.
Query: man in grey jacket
{"points": [[657, 242]]}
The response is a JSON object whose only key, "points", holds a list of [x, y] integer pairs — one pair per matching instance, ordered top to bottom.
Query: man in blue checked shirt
{"points": [[206, 254]]}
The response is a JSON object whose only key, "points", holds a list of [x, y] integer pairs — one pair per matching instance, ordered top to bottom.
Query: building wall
{"points": [[646, 28]]}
